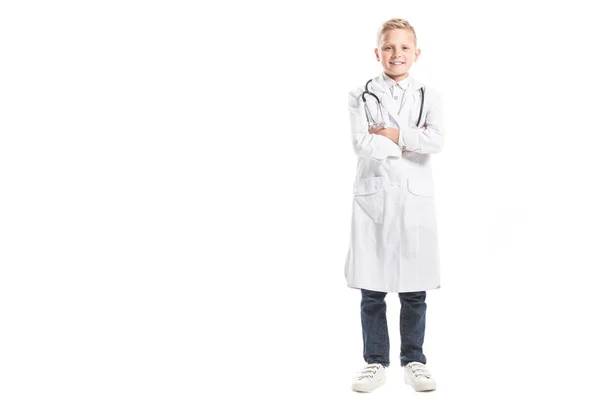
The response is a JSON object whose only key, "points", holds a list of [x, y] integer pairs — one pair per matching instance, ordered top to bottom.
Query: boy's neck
{"points": [[398, 78]]}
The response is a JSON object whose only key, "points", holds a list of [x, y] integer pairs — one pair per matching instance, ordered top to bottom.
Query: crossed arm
{"points": [[391, 133], [380, 143]]}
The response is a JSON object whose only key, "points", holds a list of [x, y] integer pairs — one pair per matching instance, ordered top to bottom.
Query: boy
{"points": [[396, 125]]}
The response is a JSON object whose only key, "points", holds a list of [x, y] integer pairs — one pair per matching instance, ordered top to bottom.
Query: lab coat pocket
{"points": [[421, 187], [370, 195]]}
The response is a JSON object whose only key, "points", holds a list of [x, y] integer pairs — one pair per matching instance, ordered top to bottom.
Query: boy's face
{"points": [[397, 53]]}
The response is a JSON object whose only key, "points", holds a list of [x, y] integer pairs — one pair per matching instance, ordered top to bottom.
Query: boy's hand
{"points": [[390, 133]]}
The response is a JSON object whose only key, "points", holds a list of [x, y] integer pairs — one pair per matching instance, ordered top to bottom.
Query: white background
{"points": [[176, 189]]}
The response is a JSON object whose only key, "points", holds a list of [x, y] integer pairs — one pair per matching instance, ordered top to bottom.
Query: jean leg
{"points": [[412, 327], [376, 342]]}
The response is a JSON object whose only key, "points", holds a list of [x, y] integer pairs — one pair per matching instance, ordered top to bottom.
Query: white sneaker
{"points": [[419, 377], [369, 378]]}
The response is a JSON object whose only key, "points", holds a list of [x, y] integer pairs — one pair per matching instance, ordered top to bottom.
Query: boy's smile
{"points": [[397, 53]]}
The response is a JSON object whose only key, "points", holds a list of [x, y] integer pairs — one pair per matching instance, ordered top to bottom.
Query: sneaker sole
{"points": [[371, 388], [422, 388]]}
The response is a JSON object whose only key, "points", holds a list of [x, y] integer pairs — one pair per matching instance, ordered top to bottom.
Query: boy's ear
{"points": [[377, 54], [417, 54]]}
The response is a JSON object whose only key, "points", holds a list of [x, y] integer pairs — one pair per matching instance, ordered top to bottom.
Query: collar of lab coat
{"points": [[389, 82], [382, 83], [381, 87]]}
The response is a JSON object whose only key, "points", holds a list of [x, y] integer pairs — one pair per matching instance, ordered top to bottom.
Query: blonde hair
{"points": [[395, 23]]}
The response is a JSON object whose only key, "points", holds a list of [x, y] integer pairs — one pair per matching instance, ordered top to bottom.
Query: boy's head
{"points": [[396, 48]]}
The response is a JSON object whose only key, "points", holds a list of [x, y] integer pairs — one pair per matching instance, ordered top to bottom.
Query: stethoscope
{"points": [[380, 112]]}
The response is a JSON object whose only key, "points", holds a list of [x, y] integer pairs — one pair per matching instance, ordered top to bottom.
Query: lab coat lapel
{"points": [[388, 105]]}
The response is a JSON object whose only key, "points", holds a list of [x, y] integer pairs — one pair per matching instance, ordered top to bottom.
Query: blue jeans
{"points": [[376, 342]]}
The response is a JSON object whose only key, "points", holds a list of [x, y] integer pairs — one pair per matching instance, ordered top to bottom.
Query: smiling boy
{"points": [[396, 125]]}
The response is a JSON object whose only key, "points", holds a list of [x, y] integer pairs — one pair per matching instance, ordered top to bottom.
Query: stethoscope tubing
{"points": [[367, 91]]}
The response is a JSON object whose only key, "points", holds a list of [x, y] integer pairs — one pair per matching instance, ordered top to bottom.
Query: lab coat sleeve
{"points": [[430, 138], [377, 147]]}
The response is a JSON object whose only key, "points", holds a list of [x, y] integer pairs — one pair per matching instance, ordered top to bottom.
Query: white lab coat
{"points": [[393, 238]]}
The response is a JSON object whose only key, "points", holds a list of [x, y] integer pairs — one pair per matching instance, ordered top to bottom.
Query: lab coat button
{"points": [[395, 97]]}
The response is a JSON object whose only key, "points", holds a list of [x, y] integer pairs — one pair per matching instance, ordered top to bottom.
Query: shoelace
{"points": [[420, 370], [368, 371]]}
